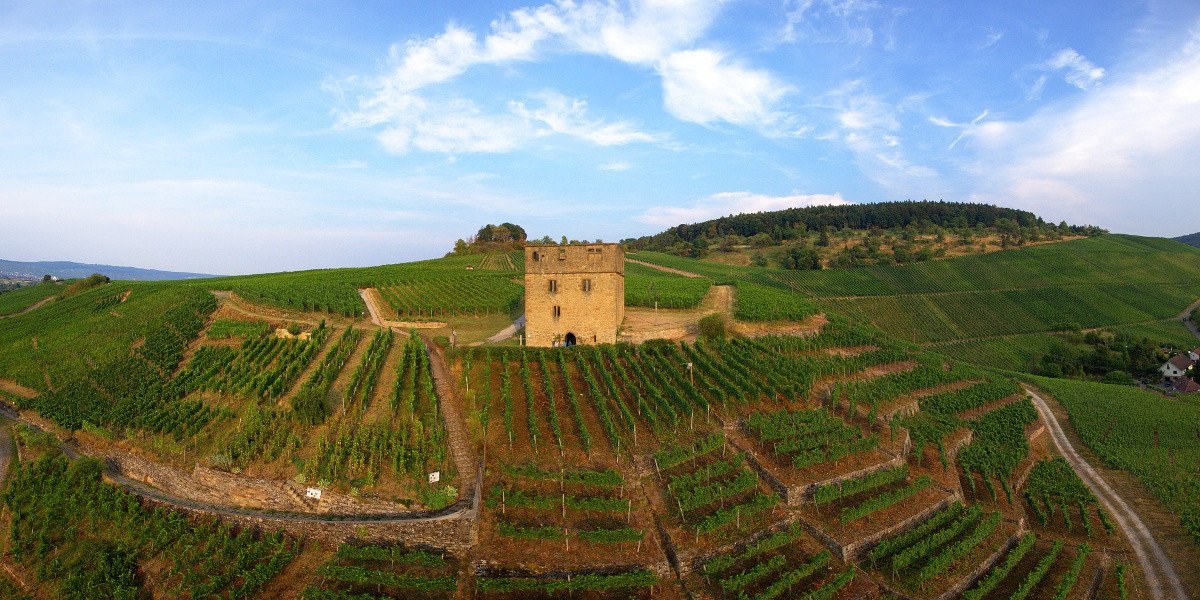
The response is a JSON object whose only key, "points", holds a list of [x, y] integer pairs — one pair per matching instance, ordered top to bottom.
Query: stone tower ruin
{"points": [[574, 294]]}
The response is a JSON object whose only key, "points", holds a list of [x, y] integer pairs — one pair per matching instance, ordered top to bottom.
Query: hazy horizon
{"points": [[226, 138]]}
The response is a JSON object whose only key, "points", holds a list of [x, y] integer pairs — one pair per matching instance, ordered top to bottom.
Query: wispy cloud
{"points": [[831, 21], [991, 38], [1077, 70], [568, 116], [460, 126], [870, 128], [1120, 153], [616, 165], [732, 203]]}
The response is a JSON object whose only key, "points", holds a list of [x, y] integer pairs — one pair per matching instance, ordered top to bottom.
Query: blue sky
{"points": [[250, 137]]}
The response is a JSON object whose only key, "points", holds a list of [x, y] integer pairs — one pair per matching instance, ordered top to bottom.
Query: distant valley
{"points": [[12, 269]]}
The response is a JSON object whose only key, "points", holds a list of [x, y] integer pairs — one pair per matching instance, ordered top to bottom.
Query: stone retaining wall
{"points": [[665, 333], [211, 486], [794, 495], [456, 534], [850, 551], [957, 589]]}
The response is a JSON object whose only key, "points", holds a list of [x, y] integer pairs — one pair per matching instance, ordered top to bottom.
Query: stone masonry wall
{"points": [[594, 314], [226, 489]]}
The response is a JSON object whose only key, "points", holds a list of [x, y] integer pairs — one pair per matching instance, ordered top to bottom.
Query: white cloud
{"points": [[649, 31], [642, 33], [1078, 70], [699, 85], [704, 86], [569, 116], [460, 126], [454, 127], [1118, 155], [616, 165], [732, 203]]}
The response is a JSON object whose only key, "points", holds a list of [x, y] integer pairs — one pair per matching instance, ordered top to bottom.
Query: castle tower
{"points": [[574, 294]]}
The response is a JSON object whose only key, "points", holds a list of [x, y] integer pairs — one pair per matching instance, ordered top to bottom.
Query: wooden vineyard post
{"points": [[503, 502], [629, 511]]}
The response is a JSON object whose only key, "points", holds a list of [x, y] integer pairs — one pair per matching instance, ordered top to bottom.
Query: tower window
{"points": [[536, 257], [553, 285], [587, 285], [557, 312]]}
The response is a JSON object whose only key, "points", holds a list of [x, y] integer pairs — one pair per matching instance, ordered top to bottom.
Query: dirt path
{"points": [[662, 268], [371, 297], [234, 304], [31, 307], [1188, 311], [1185, 317], [509, 331], [17, 389], [453, 412], [6, 452], [1160, 573]]}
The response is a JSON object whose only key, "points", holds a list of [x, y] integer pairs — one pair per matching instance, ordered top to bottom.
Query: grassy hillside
{"points": [[476, 282], [19, 299], [997, 308], [65, 340]]}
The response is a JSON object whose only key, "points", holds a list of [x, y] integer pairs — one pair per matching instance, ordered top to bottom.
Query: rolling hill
{"points": [[1191, 239], [74, 270], [745, 467]]}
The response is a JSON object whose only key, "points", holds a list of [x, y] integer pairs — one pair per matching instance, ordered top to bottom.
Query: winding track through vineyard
{"points": [[662, 268], [1160, 573]]}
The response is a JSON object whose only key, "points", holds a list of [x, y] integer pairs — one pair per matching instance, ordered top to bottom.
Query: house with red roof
{"points": [[1177, 366], [1184, 385]]}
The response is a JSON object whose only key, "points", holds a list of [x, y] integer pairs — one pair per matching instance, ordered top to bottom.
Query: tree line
{"points": [[794, 223]]}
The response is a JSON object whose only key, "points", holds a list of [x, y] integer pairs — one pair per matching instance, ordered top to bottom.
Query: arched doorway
{"points": [[569, 340]]}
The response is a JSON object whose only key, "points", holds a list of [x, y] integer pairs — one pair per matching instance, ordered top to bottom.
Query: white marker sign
{"points": [[435, 477], [314, 493]]}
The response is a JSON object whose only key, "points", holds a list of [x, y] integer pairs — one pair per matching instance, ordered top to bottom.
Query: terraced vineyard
{"points": [[845, 464], [357, 571]]}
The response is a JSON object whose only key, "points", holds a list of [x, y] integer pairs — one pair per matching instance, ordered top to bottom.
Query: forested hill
{"points": [[782, 224], [1191, 239]]}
